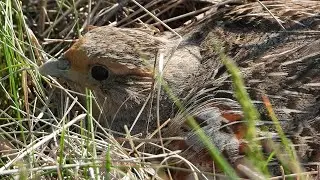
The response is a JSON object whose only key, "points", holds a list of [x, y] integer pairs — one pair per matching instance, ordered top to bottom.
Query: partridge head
{"points": [[120, 66]]}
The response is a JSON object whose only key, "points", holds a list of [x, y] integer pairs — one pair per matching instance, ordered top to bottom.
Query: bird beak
{"points": [[57, 68]]}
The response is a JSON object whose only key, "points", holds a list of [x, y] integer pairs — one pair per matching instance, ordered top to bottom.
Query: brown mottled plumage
{"points": [[118, 64]]}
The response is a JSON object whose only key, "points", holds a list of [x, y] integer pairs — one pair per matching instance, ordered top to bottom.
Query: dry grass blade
{"points": [[273, 43], [28, 150]]}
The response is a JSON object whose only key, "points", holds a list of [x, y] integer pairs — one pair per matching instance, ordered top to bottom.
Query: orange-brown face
{"points": [[104, 53], [115, 63]]}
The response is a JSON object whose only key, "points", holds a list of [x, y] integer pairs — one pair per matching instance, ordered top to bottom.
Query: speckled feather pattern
{"points": [[285, 66]]}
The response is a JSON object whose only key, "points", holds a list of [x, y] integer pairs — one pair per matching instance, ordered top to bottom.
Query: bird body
{"points": [[122, 65]]}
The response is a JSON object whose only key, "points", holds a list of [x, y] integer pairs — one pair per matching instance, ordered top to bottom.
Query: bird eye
{"points": [[99, 73]]}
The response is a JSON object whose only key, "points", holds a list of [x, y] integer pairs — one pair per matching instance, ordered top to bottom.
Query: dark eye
{"points": [[99, 73]]}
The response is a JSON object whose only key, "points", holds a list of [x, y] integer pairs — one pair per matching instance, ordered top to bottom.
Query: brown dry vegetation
{"points": [[47, 133]]}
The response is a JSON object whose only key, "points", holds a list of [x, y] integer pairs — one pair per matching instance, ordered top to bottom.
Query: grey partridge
{"points": [[278, 56]]}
